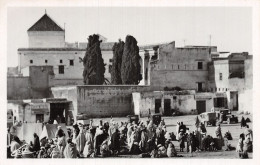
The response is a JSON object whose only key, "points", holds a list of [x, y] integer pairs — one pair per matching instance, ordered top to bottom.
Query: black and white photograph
{"points": [[138, 82]]}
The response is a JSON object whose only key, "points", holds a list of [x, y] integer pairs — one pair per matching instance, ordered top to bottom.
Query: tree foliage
{"points": [[118, 50], [94, 67], [131, 68]]}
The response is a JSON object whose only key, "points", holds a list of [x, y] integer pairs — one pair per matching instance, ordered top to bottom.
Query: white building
{"points": [[47, 46]]}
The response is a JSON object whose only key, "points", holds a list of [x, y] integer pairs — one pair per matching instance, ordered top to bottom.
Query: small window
{"points": [[110, 60], [31, 61], [46, 61], [61, 61], [71, 62], [200, 66], [172, 67], [178, 67], [61, 69], [220, 76], [200, 87], [226, 89], [174, 97]]}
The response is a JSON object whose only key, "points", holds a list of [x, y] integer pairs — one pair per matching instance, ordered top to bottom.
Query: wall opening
{"points": [[158, 104], [201, 106], [167, 107]]}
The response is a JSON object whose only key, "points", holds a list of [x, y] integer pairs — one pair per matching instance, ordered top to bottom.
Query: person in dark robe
{"points": [[243, 122], [182, 127], [100, 136], [160, 136], [181, 140], [220, 140], [115, 142], [36, 143]]}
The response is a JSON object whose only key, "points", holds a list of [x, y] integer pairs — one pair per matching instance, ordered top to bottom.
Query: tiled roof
{"points": [[45, 23]]}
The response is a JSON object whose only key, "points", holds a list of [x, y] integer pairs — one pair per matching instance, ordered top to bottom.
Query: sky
{"points": [[230, 28]]}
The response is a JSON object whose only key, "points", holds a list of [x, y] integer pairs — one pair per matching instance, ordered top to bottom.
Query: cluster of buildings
{"points": [[48, 81]]}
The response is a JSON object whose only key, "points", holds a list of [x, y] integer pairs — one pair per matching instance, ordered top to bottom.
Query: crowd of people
{"points": [[145, 139]]}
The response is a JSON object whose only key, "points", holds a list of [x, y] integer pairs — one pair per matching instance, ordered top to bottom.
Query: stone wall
{"points": [[179, 67], [35, 86], [99, 101]]}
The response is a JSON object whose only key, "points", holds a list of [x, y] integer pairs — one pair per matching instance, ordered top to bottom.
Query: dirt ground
{"points": [[189, 121]]}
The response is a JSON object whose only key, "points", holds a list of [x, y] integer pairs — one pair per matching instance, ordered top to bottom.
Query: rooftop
{"points": [[45, 23]]}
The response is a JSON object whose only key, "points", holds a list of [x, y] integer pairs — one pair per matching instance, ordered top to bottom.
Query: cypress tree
{"points": [[118, 50], [94, 67], [131, 68]]}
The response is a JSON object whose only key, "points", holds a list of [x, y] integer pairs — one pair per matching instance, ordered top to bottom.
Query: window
{"points": [[110, 60], [31, 61], [46, 61], [61, 61], [71, 62], [200, 66], [178, 67], [61, 69], [220, 76], [200, 87]]}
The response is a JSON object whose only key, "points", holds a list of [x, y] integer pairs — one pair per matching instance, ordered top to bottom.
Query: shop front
{"points": [[39, 112]]}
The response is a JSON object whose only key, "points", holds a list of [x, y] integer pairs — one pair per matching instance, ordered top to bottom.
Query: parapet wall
{"points": [[100, 101]]}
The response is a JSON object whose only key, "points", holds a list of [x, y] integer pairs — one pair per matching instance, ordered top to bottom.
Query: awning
{"points": [[217, 95], [203, 97]]}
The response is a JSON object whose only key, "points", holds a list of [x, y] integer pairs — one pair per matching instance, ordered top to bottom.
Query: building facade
{"points": [[186, 68]]}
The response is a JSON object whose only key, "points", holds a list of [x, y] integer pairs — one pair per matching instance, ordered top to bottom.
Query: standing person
{"points": [[58, 119], [243, 122], [183, 127], [150, 129], [203, 129], [177, 130], [248, 132], [75, 133], [60, 135], [100, 136], [219, 136], [9, 137], [80, 140], [181, 140], [36, 143], [115, 143], [143, 144], [89, 146], [240, 147], [70, 150]]}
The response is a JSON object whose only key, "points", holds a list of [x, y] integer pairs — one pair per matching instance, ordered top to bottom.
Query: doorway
{"points": [[234, 99], [158, 104], [201, 106], [167, 107], [58, 112], [40, 118]]}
